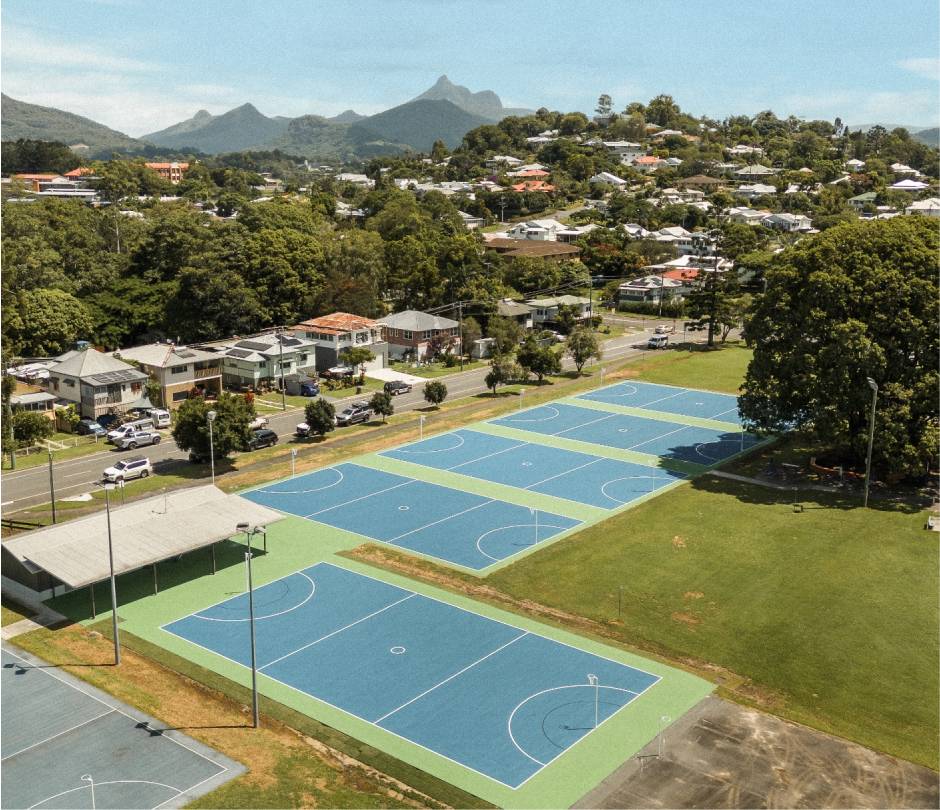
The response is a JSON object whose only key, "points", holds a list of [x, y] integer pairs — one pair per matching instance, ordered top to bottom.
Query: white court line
{"points": [[730, 410], [543, 419], [585, 424], [660, 436], [426, 452], [489, 455], [559, 475], [632, 477], [305, 491], [363, 497], [442, 520], [518, 526], [313, 590], [340, 630], [46, 671], [459, 672], [59, 734], [176, 790]]}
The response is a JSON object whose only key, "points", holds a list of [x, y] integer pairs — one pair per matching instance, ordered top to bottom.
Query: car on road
{"points": [[665, 329], [658, 342], [396, 387], [355, 413], [89, 427], [129, 427], [139, 438], [262, 438], [128, 468]]}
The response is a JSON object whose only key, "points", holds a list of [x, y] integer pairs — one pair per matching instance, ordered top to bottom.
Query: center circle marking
{"points": [[623, 430], [403, 508], [397, 650]]}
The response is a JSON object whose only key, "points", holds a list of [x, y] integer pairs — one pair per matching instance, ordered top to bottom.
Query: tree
{"points": [[604, 104], [857, 301], [710, 304], [567, 317], [44, 322], [506, 332], [470, 333], [582, 345], [357, 356], [538, 360], [502, 370], [435, 392], [381, 403], [320, 416], [31, 426], [230, 430]]}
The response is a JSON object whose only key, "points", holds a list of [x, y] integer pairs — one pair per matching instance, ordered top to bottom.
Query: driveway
{"points": [[391, 375]]}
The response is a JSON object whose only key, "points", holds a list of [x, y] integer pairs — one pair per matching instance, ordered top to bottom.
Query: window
{"points": [[406, 334], [178, 369], [70, 383], [179, 396]]}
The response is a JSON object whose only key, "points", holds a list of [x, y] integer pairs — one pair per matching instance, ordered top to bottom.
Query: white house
{"points": [[742, 150], [627, 151], [502, 160], [854, 165], [901, 168], [754, 171], [356, 179], [608, 179], [908, 185], [750, 191], [928, 208], [746, 216], [470, 221], [788, 223], [544, 230], [636, 231], [677, 236], [649, 289], [545, 310], [261, 360], [97, 384]]}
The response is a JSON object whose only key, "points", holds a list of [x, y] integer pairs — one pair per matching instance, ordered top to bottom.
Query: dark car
{"points": [[396, 387], [309, 389], [355, 413], [88, 427], [262, 438]]}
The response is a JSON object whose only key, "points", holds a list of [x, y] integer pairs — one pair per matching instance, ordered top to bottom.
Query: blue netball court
{"points": [[670, 399], [698, 445], [579, 477], [449, 524], [499, 700]]}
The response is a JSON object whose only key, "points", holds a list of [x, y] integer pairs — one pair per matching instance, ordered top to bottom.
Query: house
{"points": [[742, 150], [627, 151], [502, 160], [673, 162], [648, 163], [854, 165], [901, 168], [173, 171], [754, 171], [529, 173], [607, 178], [355, 179], [32, 181], [700, 181], [532, 185], [908, 185], [751, 191], [674, 196], [860, 201], [928, 208], [344, 209], [746, 216], [470, 221], [788, 223], [545, 230], [636, 231], [575, 232], [677, 236], [553, 250], [648, 289], [545, 310], [521, 313], [343, 330], [410, 334], [258, 362], [180, 370], [97, 384], [38, 402]]}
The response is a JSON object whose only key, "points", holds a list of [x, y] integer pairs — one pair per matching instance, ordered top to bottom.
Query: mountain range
{"points": [[444, 112]]}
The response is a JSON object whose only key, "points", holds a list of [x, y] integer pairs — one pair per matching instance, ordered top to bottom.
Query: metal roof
{"points": [[143, 532]]}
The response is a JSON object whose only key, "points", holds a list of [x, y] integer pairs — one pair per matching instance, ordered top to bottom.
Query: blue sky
{"points": [[140, 65]]}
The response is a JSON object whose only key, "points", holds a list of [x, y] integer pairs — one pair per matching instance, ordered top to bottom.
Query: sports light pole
{"points": [[210, 418], [871, 434], [249, 533], [114, 620], [592, 680]]}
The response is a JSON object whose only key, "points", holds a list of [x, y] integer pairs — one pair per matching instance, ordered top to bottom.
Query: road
{"points": [[24, 488]]}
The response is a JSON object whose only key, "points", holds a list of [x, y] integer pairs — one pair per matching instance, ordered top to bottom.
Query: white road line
{"points": [[340, 630], [459, 672], [59, 734]]}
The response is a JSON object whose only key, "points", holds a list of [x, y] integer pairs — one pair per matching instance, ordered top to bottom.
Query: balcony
{"points": [[208, 371]]}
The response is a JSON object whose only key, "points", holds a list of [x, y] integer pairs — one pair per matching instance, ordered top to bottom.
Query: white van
{"points": [[657, 342], [161, 418], [128, 428]]}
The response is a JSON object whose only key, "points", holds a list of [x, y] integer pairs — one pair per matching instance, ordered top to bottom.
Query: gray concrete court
{"points": [[57, 729]]}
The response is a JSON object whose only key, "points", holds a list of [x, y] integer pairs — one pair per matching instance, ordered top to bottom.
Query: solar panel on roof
{"points": [[290, 341], [249, 344], [185, 353], [238, 353], [109, 377]]}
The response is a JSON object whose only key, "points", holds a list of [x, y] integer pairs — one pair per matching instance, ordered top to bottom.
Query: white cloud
{"points": [[22, 46], [928, 66], [913, 108]]}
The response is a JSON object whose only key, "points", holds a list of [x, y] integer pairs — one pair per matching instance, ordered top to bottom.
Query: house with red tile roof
{"points": [[533, 185], [343, 330]]}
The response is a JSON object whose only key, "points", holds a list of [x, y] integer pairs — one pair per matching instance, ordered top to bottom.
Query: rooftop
{"points": [[413, 320], [338, 323], [92, 366]]}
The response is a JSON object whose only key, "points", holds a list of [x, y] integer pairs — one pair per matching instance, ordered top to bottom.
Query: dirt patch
{"points": [[678, 542], [693, 595], [685, 618]]}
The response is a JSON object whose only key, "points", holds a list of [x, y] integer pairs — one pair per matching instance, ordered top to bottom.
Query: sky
{"points": [[141, 65]]}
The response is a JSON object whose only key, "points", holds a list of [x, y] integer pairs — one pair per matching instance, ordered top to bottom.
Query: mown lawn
{"points": [[719, 369]]}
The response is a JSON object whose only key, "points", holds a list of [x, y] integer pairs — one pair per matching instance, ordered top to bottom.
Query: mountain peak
{"points": [[443, 81], [484, 103], [202, 115]]}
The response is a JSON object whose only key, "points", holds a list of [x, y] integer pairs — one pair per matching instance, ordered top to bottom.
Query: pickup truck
{"points": [[357, 412], [139, 438]]}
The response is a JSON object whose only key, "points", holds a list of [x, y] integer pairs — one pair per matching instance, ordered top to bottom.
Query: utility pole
{"points": [[460, 330], [280, 344], [51, 486]]}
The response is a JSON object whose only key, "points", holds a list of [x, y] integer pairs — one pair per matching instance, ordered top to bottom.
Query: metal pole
{"points": [[661, 284], [460, 330], [281, 361], [421, 427], [871, 434], [211, 451], [293, 458], [52, 487], [156, 590], [91, 592], [114, 618], [251, 623], [592, 679], [662, 727], [88, 778]]}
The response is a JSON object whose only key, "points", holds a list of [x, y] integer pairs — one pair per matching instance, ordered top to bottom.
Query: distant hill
{"points": [[485, 103], [347, 117], [420, 123], [238, 129], [87, 137], [931, 137]]}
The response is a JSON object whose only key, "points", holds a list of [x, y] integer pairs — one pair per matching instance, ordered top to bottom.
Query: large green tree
{"points": [[857, 301], [44, 322], [230, 430]]}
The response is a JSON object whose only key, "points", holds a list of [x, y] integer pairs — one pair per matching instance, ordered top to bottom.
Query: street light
{"points": [[210, 418], [871, 434], [249, 533], [114, 621]]}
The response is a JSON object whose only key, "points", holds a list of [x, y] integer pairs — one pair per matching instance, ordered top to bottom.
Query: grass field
{"points": [[720, 369], [432, 371], [86, 446], [11, 612]]}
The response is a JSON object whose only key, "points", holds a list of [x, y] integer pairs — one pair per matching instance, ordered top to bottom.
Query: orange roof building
{"points": [[81, 171], [169, 171], [533, 185]]}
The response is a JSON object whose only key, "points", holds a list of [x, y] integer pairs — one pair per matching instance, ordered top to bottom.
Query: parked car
{"points": [[665, 329], [658, 342], [396, 387], [309, 389], [355, 413], [161, 418], [258, 422], [89, 427], [129, 427], [302, 430], [139, 438], [262, 438], [126, 469]]}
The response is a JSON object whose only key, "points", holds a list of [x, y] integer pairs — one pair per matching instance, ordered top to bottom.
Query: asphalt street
{"points": [[20, 489]]}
